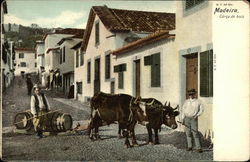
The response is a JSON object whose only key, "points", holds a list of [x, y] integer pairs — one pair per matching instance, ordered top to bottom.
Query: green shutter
{"points": [[97, 33], [148, 60], [107, 67], [123, 67], [116, 68], [156, 70], [211, 73], [204, 74], [120, 80]]}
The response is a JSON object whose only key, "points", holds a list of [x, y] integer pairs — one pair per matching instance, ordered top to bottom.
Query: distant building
{"points": [[57, 52], [25, 61], [40, 61]]}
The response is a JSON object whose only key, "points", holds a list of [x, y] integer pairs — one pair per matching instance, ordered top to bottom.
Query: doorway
{"points": [[192, 73], [97, 83]]}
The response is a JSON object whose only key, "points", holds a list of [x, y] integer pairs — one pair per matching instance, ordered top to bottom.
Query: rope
{"points": [[37, 116]]}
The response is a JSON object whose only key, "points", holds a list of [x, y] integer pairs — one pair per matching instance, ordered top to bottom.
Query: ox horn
{"points": [[137, 98], [151, 102], [166, 103], [169, 104], [176, 107]]}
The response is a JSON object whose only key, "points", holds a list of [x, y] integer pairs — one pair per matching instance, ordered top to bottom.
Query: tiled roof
{"points": [[117, 20], [70, 31], [144, 41], [25, 49]]}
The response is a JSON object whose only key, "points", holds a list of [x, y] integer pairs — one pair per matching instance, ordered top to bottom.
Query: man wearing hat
{"points": [[39, 108], [191, 109]]}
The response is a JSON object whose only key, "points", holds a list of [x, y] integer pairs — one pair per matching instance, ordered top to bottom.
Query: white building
{"points": [[106, 32], [53, 51], [195, 55], [66, 60], [25, 61], [40, 61], [78, 68], [147, 68]]}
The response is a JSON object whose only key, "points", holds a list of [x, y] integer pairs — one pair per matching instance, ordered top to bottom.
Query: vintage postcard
{"points": [[124, 80]]}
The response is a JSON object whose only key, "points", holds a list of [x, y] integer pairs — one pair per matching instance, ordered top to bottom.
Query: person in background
{"points": [[29, 84], [39, 108], [191, 110]]}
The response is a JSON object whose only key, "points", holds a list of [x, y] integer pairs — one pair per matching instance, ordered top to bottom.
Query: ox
{"points": [[107, 108], [153, 114]]}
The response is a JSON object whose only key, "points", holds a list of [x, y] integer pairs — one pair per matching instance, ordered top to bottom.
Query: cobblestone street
{"points": [[77, 146]]}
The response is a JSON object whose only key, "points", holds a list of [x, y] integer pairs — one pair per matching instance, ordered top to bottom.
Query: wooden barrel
{"points": [[23, 120], [56, 121], [59, 122], [66, 122]]}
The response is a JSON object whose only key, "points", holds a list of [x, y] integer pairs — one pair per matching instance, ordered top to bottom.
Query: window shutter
{"points": [[189, 3], [97, 33], [64, 54], [77, 59], [148, 60], [107, 67], [123, 67], [116, 68], [156, 71], [88, 72], [211, 73], [204, 74], [120, 80]]}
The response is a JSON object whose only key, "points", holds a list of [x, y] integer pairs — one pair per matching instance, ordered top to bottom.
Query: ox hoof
{"points": [[150, 143], [156, 143], [135, 145], [127, 146]]}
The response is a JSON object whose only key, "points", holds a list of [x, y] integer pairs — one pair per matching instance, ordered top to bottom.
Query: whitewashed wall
{"points": [[194, 34], [93, 51], [29, 58], [79, 76], [168, 91]]}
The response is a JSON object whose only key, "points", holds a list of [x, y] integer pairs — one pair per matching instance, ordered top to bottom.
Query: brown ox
{"points": [[110, 108], [153, 114]]}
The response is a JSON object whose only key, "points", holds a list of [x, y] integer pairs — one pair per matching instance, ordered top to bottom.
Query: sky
{"points": [[71, 13]]}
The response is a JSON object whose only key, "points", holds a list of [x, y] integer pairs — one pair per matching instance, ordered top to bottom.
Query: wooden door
{"points": [[192, 73], [137, 78], [97, 83], [112, 87]]}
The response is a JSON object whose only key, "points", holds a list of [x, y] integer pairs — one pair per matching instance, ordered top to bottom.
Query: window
{"points": [[192, 3], [97, 34], [64, 54], [21, 55], [35, 55], [81, 57], [60, 58], [77, 59], [155, 62], [23, 64], [35, 64], [107, 66], [120, 70], [88, 72], [206, 73], [120, 80], [79, 87]]}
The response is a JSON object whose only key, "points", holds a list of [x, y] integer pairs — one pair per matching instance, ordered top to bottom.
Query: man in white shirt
{"points": [[39, 107], [191, 109]]}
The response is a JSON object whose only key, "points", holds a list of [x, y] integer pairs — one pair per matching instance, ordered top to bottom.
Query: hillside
{"points": [[25, 36]]}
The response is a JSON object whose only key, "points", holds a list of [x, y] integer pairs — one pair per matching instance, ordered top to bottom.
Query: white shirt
{"points": [[41, 104], [192, 108]]}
